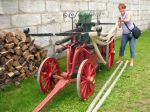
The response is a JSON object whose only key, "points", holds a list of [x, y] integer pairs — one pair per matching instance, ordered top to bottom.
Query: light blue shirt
{"points": [[130, 24]]}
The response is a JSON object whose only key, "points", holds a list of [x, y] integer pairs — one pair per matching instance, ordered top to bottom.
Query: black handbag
{"points": [[136, 32]]}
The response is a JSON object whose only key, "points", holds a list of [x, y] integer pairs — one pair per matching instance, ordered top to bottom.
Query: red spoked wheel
{"points": [[111, 53], [47, 70], [86, 79]]}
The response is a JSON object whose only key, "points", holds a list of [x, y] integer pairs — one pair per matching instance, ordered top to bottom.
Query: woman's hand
{"points": [[122, 21], [119, 22]]}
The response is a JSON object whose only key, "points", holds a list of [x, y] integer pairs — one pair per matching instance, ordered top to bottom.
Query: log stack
{"points": [[19, 56]]}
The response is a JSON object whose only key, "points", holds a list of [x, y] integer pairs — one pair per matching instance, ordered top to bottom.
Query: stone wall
{"points": [[43, 16]]}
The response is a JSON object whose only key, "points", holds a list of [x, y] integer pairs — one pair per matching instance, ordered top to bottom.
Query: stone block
{"points": [[83, 5], [8, 6], [31, 6], [52, 6], [65, 6], [97, 6], [52, 17], [22, 20], [5, 22], [65, 26], [49, 28]]}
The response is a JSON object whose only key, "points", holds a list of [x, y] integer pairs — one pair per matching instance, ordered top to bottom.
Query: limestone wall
{"points": [[47, 15]]}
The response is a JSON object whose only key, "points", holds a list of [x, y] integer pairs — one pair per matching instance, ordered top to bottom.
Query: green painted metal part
{"points": [[85, 16], [85, 19]]}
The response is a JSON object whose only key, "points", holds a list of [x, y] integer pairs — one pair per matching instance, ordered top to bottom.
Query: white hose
{"points": [[105, 36], [102, 41], [98, 53], [101, 101], [90, 108]]}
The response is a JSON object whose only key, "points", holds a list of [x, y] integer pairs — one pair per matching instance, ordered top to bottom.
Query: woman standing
{"points": [[125, 22]]}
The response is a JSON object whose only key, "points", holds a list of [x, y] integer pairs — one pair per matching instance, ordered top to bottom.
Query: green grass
{"points": [[131, 94]]}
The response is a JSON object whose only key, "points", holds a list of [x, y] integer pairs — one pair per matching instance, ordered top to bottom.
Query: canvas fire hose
{"points": [[103, 39]]}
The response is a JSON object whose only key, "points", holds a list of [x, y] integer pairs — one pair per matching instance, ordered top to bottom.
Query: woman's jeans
{"points": [[125, 38]]}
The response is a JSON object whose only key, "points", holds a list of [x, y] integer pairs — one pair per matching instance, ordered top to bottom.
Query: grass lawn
{"points": [[131, 94]]}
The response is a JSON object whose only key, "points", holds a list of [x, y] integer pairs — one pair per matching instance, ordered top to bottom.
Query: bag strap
{"points": [[127, 27]]}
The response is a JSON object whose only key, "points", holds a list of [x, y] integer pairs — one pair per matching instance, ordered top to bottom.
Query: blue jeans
{"points": [[125, 38]]}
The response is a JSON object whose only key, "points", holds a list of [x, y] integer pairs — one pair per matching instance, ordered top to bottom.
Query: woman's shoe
{"points": [[131, 64]]}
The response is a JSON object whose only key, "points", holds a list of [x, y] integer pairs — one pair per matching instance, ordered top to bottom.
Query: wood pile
{"points": [[19, 56]]}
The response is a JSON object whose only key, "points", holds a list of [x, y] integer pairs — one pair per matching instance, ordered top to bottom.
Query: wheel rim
{"points": [[111, 55], [47, 70], [86, 80]]}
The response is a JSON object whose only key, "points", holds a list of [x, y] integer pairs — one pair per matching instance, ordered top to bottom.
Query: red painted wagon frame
{"points": [[81, 59]]}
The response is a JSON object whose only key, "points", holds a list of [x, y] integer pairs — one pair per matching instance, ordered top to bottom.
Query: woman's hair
{"points": [[122, 5]]}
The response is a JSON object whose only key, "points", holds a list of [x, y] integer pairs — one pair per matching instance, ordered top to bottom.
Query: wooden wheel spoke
{"points": [[49, 67], [44, 68], [53, 68], [85, 71], [91, 71], [55, 72], [93, 74], [45, 76], [83, 77], [43, 80], [83, 82], [46, 84], [48, 87], [91, 87], [84, 90]]}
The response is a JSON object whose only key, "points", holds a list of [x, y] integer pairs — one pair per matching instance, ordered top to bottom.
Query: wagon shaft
{"points": [[58, 87]]}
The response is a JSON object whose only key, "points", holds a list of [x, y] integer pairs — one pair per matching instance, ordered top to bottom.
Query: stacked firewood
{"points": [[19, 56]]}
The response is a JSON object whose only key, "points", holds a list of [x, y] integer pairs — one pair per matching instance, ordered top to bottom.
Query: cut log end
{"points": [[19, 56]]}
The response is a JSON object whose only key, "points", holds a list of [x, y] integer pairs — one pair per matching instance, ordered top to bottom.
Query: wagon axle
{"points": [[58, 87]]}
